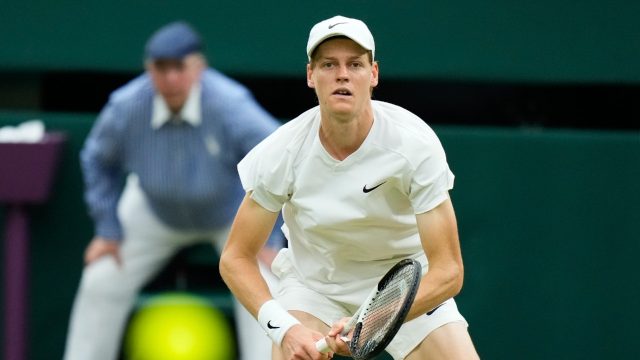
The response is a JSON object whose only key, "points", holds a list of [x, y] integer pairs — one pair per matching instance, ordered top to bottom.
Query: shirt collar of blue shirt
{"points": [[190, 112]]}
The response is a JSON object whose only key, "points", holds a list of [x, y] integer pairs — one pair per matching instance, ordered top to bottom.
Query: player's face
{"points": [[342, 75], [173, 78]]}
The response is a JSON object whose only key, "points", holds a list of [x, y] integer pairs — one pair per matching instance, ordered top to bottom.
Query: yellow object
{"points": [[179, 326]]}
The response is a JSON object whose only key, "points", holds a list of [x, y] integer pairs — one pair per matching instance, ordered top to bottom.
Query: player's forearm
{"points": [[242, 276], [443, 280], [437, 285]]}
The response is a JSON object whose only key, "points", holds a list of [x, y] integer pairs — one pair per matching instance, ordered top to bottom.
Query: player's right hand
{"points": [[99, 247], [299, 343]]}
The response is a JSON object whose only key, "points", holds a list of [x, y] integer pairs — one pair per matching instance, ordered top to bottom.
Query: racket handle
{"points": [[322, 346]]}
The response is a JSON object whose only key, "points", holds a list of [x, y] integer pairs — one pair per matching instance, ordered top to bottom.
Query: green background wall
{"points": [[544, 40], [548, 218], [548, 222], [549, 228]]}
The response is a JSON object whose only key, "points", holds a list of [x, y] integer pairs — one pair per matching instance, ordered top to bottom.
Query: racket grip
{"points": [[322, 346]]}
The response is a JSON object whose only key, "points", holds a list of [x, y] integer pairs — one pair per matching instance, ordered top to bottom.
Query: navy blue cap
{"points": [[173, 41]]}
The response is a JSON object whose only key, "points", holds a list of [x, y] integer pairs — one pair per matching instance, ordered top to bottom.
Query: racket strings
{"points": [[382, 311]]}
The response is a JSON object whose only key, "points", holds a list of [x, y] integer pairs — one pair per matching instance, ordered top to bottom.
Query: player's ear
{"points": [[374, 74], [310, 82]]}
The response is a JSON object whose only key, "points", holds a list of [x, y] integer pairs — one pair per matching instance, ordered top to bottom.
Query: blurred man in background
{"points": [[160, 174]]}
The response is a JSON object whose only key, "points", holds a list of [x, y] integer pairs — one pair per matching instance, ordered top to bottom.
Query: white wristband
{"points": [[275, 320]]}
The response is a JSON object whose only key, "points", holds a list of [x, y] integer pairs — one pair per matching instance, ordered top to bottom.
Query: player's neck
{"points": [[342, 137]]}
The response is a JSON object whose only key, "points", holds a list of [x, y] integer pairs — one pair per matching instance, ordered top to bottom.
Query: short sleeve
{"points": [[266, 175], [432, 179]]}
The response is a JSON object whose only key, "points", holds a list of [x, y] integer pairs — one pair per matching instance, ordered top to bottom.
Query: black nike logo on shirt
{"points": [[336, 24], [366, 190], [433, 310], [271, 326]]}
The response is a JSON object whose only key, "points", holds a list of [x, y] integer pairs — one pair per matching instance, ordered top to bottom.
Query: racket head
{"points": [[385, 313]]}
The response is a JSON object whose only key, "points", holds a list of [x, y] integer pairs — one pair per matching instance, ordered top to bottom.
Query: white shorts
{"points": [[292, 294]]}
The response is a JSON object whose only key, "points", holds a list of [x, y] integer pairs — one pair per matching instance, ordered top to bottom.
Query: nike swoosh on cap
{"points": [[336, 24]]}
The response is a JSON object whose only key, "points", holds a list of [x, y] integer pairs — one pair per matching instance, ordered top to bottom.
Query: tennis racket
{"points": [[379, 318]]}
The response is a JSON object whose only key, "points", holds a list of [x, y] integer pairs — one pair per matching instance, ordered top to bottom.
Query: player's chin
{"points": [[342, 108]]}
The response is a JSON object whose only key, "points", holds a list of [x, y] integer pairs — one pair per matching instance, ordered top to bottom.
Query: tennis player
{"points": [[361, 185]]}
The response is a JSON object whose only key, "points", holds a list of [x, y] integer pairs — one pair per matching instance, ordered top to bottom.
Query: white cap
{"points": [[354, 29]]}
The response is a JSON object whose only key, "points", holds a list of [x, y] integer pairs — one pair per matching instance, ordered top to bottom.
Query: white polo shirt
{"points": [[349, 221]]}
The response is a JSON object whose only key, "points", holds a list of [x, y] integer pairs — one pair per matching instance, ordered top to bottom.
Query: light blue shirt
{"points": [[186, 167]]}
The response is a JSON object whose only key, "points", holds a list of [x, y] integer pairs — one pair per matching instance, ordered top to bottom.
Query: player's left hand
{"points": [[337, 342], [296, 344]]}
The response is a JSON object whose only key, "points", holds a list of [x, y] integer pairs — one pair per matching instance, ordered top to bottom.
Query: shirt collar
{"points": [[190, 112]]}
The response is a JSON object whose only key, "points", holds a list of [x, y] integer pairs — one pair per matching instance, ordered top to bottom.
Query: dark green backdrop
{"points": [[544, 40], [548, 218], [548, 223]]}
